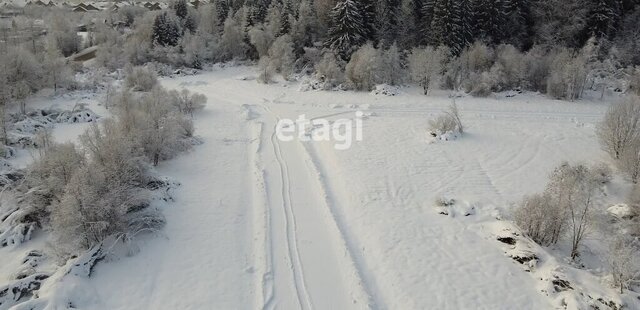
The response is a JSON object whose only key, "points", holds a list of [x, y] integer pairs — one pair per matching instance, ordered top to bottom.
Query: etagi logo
{"points": [[319, 129]]}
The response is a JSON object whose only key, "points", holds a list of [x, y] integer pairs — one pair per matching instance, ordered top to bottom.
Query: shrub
{"points": [[281, 56], [426, 65], [508, 69], [536, 69], [329, 70], [363, 70], [267, 71], [567, 76], [141, 78], [634, 81], [187, 102], [450, 121], [620, 126], [629, 162], [634, 196], [565, 205], [540, 219], [623, 262]]}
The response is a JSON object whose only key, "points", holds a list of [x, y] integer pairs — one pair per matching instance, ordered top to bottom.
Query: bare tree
{"points": [[426, 64], [329, 70], [187, 102], [620, 126], [629, 162], [574, 189], [565, 206], [540, 219], [623, 262]]}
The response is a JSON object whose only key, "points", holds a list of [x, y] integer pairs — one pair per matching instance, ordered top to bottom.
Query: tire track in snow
{"points": [[290, 227], [263, 249], [325, 275]]}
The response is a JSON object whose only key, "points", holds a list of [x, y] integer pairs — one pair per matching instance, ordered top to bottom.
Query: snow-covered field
{"points": [[259, 223]]}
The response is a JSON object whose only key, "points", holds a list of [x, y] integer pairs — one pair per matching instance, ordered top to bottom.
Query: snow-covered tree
{"points": [[180, 7], [490, 17], [603, 18], [209, 20], [386, 21], [449, 25], [305, 27], [408, 28], [348, 29], [166, 31], [261, 40], [232, 42], [281, 55], [426, 64], [55, 67], [22, 68], [508, 69], [329, 70], [363, 71], [393, 72], [141, 78], [187, 102], [620, 126], [629, 162], [49, 174], [575, 189], [540, 219], [623, 262]]}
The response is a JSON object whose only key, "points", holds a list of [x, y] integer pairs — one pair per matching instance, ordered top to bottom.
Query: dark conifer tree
{"points": [[348, 29]]}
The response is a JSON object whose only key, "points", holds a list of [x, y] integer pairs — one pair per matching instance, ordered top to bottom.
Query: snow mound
{"points": [[310, 84], [385, 90], [83, 116], [443, 136], [622, 211]]}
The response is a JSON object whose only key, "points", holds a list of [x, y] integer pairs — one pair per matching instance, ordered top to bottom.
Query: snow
{"points": [[621, 211], [261, 223]]}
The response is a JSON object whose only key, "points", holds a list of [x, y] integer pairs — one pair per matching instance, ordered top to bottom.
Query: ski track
{"points": [[292, 283]]}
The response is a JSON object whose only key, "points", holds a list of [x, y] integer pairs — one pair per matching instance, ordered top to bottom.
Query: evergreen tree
{"points": [[180, 7], [222, 9], [368, 9], [260, 10], [426, 11], [286, 16], [603, 17], [490, 20], [386, 21], [190, 24], [407, 24], [520, 24], [450, 26], [305, 28], [348, 29], [165, 31]]}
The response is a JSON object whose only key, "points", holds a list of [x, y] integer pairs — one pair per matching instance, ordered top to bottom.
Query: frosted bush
{"points": [[329, 70], [363, 70], [141, 78], [449, 122], [620, 126], [629, 162], [540, 219]]}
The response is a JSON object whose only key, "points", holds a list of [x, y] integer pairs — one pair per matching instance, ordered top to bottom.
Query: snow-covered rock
{"points": [[385, 90], [622, 211]]}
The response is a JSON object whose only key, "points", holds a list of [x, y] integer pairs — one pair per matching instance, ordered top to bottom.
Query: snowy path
{"points": [[308, 265]]}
